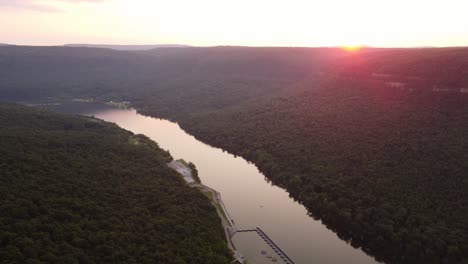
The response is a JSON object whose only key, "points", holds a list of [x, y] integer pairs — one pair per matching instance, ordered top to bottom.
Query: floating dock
{"points": [[271, 243]]}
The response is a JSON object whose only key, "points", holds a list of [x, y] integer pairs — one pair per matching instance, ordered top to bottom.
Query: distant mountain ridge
{"points": [[127, 47]]}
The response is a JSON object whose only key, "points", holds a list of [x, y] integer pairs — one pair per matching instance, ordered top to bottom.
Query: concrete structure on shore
{"points": [[182, 169]]}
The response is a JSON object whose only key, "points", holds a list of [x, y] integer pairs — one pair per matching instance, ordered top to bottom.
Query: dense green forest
{"points": [[373, 143], [387, 172], [80, 190]]}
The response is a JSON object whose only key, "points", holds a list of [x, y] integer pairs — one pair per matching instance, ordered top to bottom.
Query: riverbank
{"points": [[215, 197], [251, 200]]}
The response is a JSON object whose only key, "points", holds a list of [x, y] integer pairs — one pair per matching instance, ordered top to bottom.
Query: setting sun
{"points": [[352, 48]]}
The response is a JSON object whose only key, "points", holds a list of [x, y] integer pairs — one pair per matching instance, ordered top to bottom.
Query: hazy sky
{"points": [[236, 22]]}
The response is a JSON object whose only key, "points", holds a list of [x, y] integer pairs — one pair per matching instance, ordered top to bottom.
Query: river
{"points": [[249, 198]]}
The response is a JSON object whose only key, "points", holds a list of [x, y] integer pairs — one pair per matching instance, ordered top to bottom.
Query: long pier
{"points": [[271, 243]]}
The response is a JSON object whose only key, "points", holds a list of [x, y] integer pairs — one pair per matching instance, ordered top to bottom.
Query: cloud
{"points": [[28, 5], [39, 6]]}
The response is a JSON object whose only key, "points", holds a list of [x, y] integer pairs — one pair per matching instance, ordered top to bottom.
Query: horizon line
{"points": [[177, 45]]}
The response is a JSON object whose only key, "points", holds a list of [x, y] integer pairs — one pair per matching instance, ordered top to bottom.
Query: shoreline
{"points": [[215, 197]]}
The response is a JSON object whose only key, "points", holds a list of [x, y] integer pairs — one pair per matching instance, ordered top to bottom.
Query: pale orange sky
{"points": [[236, 22]]}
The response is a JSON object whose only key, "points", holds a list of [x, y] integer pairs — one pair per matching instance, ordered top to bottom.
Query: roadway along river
{"points": [[249, 198]]}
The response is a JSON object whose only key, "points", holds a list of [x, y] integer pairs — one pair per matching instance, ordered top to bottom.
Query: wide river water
{"points": [[249, 198]]}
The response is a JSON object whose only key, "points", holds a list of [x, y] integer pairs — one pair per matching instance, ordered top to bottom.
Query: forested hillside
{"points": [[446, 67], [371, 142], [388, 172], [80, 190]]}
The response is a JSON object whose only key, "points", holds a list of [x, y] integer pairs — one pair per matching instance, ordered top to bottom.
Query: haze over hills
{"points": [[127, 47], [372, 142]]}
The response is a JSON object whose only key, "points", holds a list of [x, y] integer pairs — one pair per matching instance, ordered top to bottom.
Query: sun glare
{"points": [[352, 48]]}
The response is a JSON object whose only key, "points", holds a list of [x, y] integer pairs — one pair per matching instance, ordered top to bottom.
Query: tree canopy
{"points": [[79, 190]]}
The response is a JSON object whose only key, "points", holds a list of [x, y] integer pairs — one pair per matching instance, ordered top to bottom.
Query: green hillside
{"points": [[77, 190]]}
